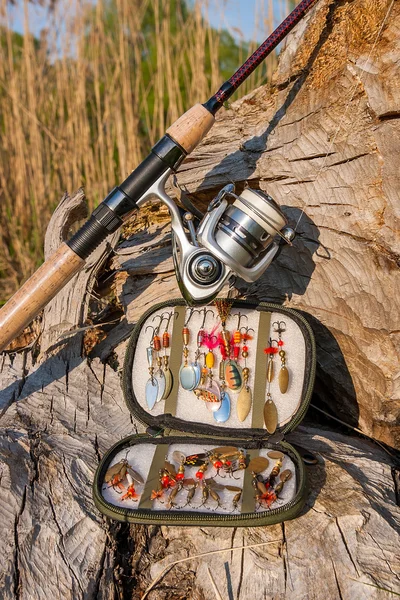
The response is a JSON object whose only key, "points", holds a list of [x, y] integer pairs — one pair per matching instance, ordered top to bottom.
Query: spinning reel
{"points": [[238, 239]]}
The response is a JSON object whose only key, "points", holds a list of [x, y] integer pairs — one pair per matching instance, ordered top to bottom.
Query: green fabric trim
{"points": [[175, 359], [260, 376], [153, 477], [248, 499]]}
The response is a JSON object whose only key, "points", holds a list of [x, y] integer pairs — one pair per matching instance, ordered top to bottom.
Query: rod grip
{"points": [[191, 127], [37, 291]]}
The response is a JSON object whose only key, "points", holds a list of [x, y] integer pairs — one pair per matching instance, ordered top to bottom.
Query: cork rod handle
{"points": [[191, 127], [49, 279]]}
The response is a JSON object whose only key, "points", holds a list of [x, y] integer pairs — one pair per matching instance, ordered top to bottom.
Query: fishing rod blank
{"points": [[202, 268]]}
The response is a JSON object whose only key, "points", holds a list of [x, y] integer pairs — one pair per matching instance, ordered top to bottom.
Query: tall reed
{"points": [[82, 106]]}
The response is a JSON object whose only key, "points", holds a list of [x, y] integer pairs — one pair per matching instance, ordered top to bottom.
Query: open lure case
{"points": [[210, 459]]}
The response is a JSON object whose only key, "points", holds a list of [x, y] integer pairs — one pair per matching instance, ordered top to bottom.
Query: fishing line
{"points": [[332, 143]]}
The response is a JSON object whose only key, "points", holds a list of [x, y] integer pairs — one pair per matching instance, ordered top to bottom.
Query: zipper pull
{"points": [[155, 432], [276, 438]]}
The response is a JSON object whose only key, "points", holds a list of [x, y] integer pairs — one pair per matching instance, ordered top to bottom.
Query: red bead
{"points": [[280, 343], [245, 348], [228, 463], [218, 464], [199, 475], [180, 476], [165, 481]]}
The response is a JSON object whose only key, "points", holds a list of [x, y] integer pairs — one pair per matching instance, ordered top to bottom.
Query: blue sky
{"points": [[239, 16]]}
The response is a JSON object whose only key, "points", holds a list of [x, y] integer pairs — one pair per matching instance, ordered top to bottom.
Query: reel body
{"points": [[238, 239]]}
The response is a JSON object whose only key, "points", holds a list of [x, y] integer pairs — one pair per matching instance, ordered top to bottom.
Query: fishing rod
{"points": [[236, 239]]}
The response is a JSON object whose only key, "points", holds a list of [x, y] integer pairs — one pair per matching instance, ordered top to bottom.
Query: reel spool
{"points": [[249, 225], [242, 235]]}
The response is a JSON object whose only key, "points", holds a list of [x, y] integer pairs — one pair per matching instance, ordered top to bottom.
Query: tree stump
{"points": [[61, 409]]}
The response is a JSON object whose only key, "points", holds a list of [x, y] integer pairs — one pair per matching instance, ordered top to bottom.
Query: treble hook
{"points": [[192, 310], [205, 311], [240, 317], [167, 318], [280, 326], [155, 331]]}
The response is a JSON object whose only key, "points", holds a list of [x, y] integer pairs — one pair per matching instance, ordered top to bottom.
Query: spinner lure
{"points": [[189, 373], [283, 378], [156, 384], [245, 397], [270, 410]]}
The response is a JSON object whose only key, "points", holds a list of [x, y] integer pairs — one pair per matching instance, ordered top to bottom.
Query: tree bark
{"points": [[61, 410]]}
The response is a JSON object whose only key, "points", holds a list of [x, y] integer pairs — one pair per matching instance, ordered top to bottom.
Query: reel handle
{"points": [[37, 291]]}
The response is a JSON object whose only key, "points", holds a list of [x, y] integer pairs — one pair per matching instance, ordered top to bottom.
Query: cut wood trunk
{"points": [[322, 140]]}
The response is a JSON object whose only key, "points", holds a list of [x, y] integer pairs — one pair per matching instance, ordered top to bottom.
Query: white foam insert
{"points": [[192, 409], [140, 458]]}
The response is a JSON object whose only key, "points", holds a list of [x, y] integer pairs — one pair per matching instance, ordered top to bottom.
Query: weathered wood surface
{"points": [[60, 414], [54, 544]]}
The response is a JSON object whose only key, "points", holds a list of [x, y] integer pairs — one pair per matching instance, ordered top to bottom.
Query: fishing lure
{"points": [[224, 307], [202, 334], [237, 335], [210, 341], [270, 351], [165, 358], [232, 372], [189, 374], [283, 379], [155, 386], [208, 389], [211, 397], [245, 398], [270, 410], [223, 413], [278, 456], [229, 459], [192, 460], [242, 460], [116, 474], [284, 477], [179, 478], [166, 481], [190, 495], [215, 496], [172, 498], [235, 500]]}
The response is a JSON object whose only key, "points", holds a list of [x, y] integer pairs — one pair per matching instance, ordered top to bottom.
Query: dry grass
{"points": [[85, 105]]}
